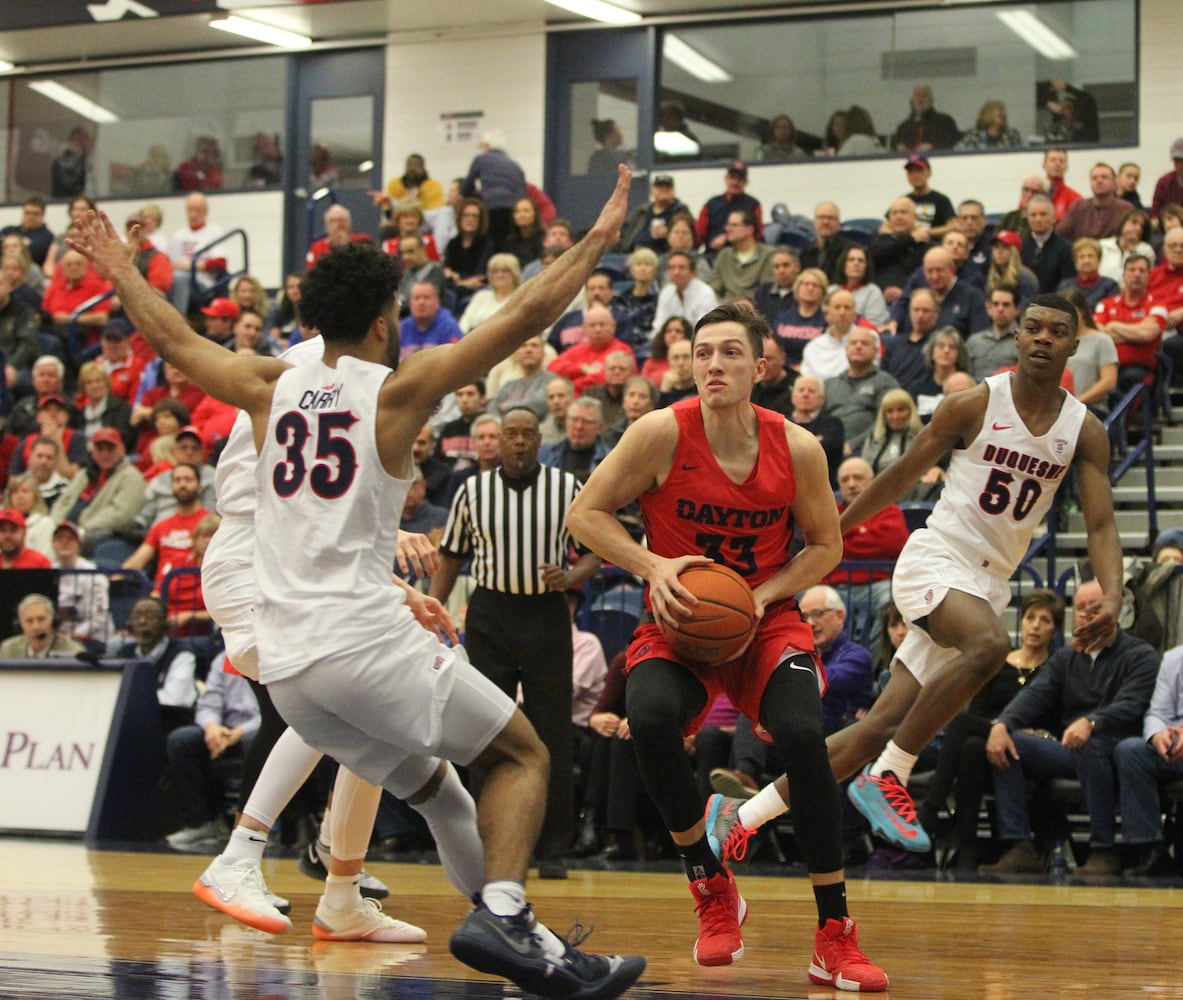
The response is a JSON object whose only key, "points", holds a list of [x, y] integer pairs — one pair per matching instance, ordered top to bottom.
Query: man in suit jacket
{"points": [[1044, 250]]}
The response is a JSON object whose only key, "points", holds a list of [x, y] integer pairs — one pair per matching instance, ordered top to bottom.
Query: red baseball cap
{"points": [[917, 160], [739, 168], [1009, 237], [222, 309], [52, 397], [191, 431], [106, 435], [12, 516], [71, 527]]}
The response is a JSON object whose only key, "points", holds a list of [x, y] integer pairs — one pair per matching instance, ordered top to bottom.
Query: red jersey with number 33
{"points": [[700, 509]]}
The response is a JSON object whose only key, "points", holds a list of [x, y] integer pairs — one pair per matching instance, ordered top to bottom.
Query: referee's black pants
{"points": [[514, 639]]}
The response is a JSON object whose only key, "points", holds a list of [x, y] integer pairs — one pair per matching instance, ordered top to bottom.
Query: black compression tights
{"points": [[662, 696]]}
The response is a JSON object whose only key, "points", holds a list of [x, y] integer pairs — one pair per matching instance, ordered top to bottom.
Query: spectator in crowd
{"points": [[925, 128], [991, 130], [835, 132], [862, 139], [781, 142], [608, 156], [1055, 167], [203, 170], [267, 170], [71, 172], [1128, 176], [500, 183], [1168, 189], [934, 210], [1098, 216], [153, 219], [1016, 219], [408, 220], [971, 220], [338, 223], [649, 225], [711, 227], [35, 235], [1132, 236], [525, 237], [557, 239], [681, 240], [827, 246], [185, 247], [898, 248], [1044, 250], [467, 255], [153, 262], [742, 264], [417, 268], [1007, 268], [504, 276], [857, 276], [23, 277], [1166, 280], [73, 285], [1094, 286], [686, 296], [776, 296], [639, 302], [959, 304], [220, 316], [806, 318], [283, 319], [1136, 321], [429, 323], [568, 330], [18, 336], [994, 348], [825, 355], [903, 355], [944, 355], [584, 363], [657, 363], [1094, 365], [123, 367], [619, 367], [47, 377], [678, 380], [172, 384], [529, 388], [774, 389], [559, 394], [854, 396], [639, 397], [809, 400], [98, 406], [53, 415], [896, 425], [454, 441], [188, 448], [486, 449], [582, 449], [42, 465], [436, 472], [21, 494], [105, 495], [419, 514], [878, 539], [170, 540], [14, 553], [521, 576], [84, 601], [39, 638], [173, 659], [849, 681], [1095, 700], [225, 721], [961, 761], [1145, 761]]}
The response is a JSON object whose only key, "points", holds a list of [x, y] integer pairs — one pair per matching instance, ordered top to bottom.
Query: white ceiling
{"points": [[330, 24]]}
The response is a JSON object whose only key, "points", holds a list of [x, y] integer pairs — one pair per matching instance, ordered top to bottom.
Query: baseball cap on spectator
{"points": [[1177, 149], [917, 161], [739, 169], [663, 180], [1009, 237], [222, 309], [117, 328], [52, 397], [189, 430], [106, 435], [12, 516], [71, 527]]}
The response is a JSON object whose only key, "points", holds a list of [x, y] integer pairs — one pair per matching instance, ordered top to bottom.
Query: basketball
{"points": [[721, 621]]}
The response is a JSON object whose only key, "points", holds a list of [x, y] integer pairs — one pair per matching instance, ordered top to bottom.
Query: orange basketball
{"points": [[721, 621]]}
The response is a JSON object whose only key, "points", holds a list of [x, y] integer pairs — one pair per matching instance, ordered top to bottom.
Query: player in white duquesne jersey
{"points": [[1012, 439], [348, 667]]}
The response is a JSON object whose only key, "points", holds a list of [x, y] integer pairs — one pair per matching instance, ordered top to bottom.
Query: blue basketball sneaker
{"points": [[889, 809]]}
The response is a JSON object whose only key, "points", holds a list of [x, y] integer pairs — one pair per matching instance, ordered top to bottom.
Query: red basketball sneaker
{"points": [[721, 910], [838, 960]]}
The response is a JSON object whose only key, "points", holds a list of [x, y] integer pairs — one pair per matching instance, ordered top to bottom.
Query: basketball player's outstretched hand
{"points": [[615, 208], [97, 240], [416, 554], [670, 600], [432, 615]]}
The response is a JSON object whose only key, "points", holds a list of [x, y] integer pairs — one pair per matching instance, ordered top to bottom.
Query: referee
{"points": [[510, 523]]}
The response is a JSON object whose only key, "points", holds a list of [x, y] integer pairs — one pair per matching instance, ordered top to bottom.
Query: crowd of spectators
{"points": [[108, 454]]}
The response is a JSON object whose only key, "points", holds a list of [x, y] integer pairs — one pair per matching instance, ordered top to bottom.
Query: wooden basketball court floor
{"points": [[107, 924]]}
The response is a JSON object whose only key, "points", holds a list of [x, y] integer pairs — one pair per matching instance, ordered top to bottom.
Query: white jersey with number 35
{"points": [[999, 488], [327, 519]]}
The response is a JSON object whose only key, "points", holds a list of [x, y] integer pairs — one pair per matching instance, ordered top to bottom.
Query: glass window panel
{"points": [[845, 85], [604, 126], [147, 130], [342, 141]]}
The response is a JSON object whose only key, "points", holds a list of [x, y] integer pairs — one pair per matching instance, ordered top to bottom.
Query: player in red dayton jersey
{"points": [[1012, 439], [720, 479]]}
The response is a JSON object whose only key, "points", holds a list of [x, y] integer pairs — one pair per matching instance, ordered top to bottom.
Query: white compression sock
{"points": [[893, 759], [288, 766], [764, 806], [451, 817]]}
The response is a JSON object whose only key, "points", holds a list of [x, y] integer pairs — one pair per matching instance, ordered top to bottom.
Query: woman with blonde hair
{"points": [[991, 130], [1006, 268], [504, 274], [249, 293], [640, 301], [98, 406], [896, 425], [24, 494]]}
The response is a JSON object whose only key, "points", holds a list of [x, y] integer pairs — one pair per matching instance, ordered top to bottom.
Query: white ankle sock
{"points": [[893, 759], [765, 805], [245, 845], [342, 892], [504, 898]]}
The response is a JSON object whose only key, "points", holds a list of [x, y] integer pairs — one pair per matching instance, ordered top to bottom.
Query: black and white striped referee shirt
{"points": [[510, 527]]}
